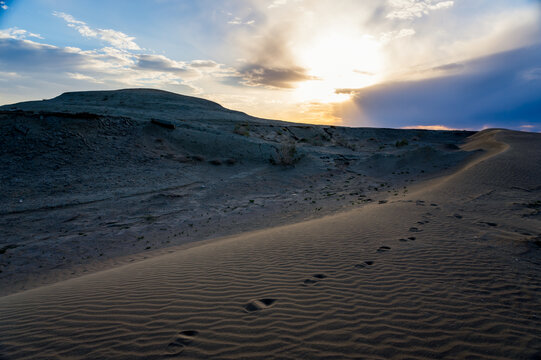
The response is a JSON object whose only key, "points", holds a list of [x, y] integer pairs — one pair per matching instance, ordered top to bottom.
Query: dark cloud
{"points": [[273, 49], [23, 55], [270, 62], [159, 63], [203, 64], [449, 67], [33, 70], [259, 75], [347, 91], [494, 91]]}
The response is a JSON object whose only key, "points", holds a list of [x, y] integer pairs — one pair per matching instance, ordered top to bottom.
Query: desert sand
{"points": [[216, 240]]}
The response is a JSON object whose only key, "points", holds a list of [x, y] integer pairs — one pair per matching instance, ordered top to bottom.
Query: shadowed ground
{"points": [[91, 180]]}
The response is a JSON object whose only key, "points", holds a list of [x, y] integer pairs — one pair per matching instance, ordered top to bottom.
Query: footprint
{"points": [[458, 216], [488, 223], [414, 229], [412, 238], [403, 240], [383, 249], [366, 263], [313, 281], [261, 304], [183, 339]]}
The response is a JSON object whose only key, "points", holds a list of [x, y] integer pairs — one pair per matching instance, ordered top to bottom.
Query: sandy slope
{"points": [[450, 271]]}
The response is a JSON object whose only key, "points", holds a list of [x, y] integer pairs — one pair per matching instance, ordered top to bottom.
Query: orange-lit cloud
{"points": [[273, 77]]}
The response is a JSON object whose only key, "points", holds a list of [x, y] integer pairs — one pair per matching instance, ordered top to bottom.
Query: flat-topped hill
{"points": [[137, 103]]}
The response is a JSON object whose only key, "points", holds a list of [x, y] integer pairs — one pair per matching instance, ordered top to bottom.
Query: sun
{"points": [[338, 60]]}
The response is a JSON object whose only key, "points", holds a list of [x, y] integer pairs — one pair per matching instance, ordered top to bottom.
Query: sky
{"points": [[440, 64]]}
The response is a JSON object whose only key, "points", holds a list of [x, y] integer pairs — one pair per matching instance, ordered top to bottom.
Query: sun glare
{"points": [[339, 61]]}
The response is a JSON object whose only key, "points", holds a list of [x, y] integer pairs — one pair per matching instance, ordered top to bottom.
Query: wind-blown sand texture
{"points": [[450, 270]]}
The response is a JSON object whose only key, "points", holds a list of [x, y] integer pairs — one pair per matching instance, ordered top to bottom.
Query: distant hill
{"points": [[135, 103]]}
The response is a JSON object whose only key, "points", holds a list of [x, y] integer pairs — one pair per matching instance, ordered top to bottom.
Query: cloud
{"points": [[277, 3], [3, 5], [410, 9], [242, 16], [239, 21], [404, 32], [15, 33], [397, 34], [116, 38], [22, 55], [269, 60], [160, 63], [118, 64], [204, 64], [43, 65], [107, 65], [449, 67], [41, 69], [186, 70], [532, 74], [10, 75], [79, 76], [274, 77], [489, 90], [347, 91]]}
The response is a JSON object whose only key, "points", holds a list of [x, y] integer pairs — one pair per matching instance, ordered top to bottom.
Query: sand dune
{"points": [[450, 270]]}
